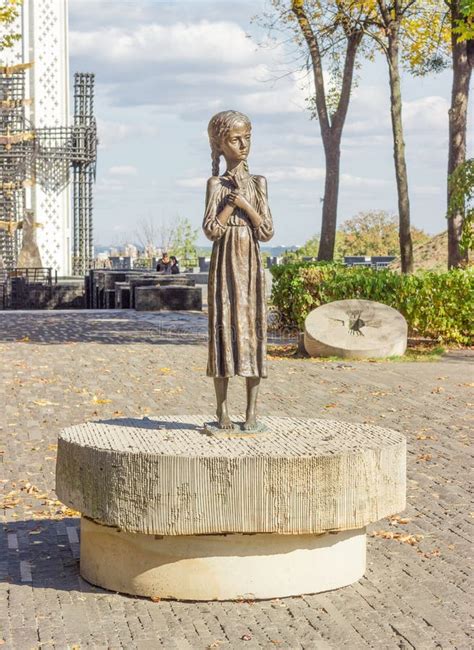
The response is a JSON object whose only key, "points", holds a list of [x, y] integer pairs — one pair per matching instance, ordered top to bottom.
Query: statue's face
{"points": [[235, 145]]}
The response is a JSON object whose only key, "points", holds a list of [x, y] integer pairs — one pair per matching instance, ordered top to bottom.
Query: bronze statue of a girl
{"points": [[237, 217]]}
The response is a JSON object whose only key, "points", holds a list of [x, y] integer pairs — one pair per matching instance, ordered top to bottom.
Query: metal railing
{"points": [[16, 284]]}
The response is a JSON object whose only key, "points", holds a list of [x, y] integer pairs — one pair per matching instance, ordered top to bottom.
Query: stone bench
{"points": [[198, 277], [158, 279], [174, 298], [169, 510]]}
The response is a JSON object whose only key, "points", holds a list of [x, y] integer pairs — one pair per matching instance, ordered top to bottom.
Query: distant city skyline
{"points": [[164, 68]]}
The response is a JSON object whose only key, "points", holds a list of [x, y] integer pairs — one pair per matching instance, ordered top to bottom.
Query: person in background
{"points": [[164, 264], [174, 265]]}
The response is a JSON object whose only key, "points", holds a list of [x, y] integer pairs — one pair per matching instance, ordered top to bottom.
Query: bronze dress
{"points": [[236, 289]]}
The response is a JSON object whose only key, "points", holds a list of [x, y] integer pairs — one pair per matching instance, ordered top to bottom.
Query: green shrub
{"points": [[435, 305]]}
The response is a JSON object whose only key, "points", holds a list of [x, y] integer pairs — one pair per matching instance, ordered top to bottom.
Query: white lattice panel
{"points": [[44, 29]]}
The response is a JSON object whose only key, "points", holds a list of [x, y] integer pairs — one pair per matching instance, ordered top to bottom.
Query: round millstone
{"points": [[356, 329], [168, 476]]}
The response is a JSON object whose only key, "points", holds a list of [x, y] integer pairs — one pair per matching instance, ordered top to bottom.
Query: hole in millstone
{"points": [[356, 323]]}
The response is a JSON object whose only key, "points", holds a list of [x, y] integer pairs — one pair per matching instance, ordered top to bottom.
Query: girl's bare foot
{"points": [[224, 420], [250, 422]]}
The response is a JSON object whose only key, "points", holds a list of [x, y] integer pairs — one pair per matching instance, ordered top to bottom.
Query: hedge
{"points": [[436, 305]]}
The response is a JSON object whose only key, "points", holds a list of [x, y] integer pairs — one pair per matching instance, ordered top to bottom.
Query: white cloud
{"points": [[205, 41], [188, 68], [249, 76], [369, 114], [426, 114], [110, 132], [303, 140], [123, 170], [318, 173], [296, 174], [363, 182], [193, 183], [107, 185], [429, 190]]}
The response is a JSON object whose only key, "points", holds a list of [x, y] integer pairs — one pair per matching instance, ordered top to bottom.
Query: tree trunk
{"points": [[331, 127], [457, 133], [331, 193], [406, 246]]}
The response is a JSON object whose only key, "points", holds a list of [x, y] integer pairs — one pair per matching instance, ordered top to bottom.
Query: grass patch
{"points": [[417, 352]]}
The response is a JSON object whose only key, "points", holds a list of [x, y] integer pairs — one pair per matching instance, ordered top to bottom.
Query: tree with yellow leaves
{"points": [[9, 10], [461, 15], [406, 32], [432, 32], [413, 33], [329, 34], [436, 34], [373, 232]]}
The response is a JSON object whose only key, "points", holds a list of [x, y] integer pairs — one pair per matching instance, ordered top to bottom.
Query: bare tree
{"points": [[147, 232]]}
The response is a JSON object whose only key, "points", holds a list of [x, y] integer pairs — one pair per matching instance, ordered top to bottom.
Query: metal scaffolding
{"points": [[45, 156], [16, 159], [84, 167]]}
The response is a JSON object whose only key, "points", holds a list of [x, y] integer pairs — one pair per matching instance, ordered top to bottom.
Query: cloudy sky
{"points": [[164, 68]]}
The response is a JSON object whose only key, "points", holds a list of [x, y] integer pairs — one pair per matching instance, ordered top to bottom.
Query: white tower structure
{"points": [[43, 25]]}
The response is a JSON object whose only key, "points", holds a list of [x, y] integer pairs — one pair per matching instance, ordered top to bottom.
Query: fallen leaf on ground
{"points": [[100, 400], [44, 402], [424, 457], [29, 488], [10, 500], [397, 519], [36, 531], [404, 538], [429, 554]]}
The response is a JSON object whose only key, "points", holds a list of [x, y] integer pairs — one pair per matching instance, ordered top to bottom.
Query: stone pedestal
{"points": [[173, 512], [220, 567]]}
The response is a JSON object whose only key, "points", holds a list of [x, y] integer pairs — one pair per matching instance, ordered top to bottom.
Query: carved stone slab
{"points": [[356, 329], [167, 476]]}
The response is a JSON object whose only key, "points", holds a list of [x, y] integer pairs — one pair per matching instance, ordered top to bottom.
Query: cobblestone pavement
{"points": [[63, 368]]}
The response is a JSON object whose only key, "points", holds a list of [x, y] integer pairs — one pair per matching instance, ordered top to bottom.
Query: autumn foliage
{"points": [[436, 305]]}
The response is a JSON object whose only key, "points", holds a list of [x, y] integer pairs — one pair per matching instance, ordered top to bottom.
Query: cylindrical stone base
{"points": [[220, 567]]}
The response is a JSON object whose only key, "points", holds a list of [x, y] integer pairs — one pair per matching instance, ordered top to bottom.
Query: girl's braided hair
{"points": [[219, 126]]}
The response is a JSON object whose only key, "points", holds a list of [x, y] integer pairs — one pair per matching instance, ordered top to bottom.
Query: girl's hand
{"points": [[237, 200]]}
